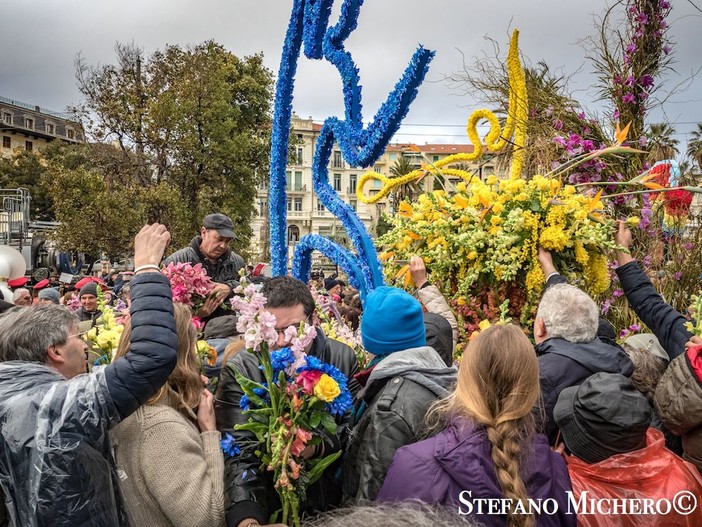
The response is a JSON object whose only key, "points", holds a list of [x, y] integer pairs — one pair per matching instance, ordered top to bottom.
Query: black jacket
{"points": [[666, 323], [563, 364], [391, 412], [55, 460], [249, 492]]}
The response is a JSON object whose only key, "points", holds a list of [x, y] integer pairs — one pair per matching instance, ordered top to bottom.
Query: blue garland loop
{"points": [[359, 146]]}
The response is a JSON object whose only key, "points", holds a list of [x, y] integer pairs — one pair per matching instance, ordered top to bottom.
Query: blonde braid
{"points": [[506, 453]]}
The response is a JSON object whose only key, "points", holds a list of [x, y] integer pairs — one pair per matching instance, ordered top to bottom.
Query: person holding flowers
{"points": [[211, 250], [569, 350], [403, 380], [678, 399], [168, 450], [251, 494]]}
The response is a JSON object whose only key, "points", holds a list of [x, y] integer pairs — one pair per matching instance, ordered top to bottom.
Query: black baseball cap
{"points": [[221, 223]]}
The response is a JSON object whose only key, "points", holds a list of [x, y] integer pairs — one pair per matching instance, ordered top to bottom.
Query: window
{"points": [[7, 117], [29, 123], [50, 128], [70, 134], [299, 138], [6, 142], [29, 145], [298, 157], [435, 158], [337, 159], [376, 169], [288, 180], [298, 181], [337, 182], [352, 183], [377, 184], [289, 204], [298, 204], [354, 204], [320, 206], [262, 208], [293, 234]]}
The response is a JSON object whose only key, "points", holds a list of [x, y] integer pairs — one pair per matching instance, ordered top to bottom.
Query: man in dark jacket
{"points": [[211, 249], [565, 332], [405, 378], [55, 462], [251, 496]]}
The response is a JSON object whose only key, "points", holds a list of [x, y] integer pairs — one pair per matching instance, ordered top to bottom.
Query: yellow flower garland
{"points": [[496, 139]]}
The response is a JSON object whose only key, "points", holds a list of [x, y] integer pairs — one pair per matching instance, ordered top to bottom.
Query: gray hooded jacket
{"points": [[399, 391]]}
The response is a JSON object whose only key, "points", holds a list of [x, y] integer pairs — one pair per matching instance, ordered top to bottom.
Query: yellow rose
{"points": [[326, 389]]}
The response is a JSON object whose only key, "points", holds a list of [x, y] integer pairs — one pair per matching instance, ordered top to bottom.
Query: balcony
{"points": [[293, 189]]}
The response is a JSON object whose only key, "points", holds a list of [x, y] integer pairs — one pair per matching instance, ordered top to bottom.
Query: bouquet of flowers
{"points": [[190, 284], [336, 328], [105, 335], [294, 408]]}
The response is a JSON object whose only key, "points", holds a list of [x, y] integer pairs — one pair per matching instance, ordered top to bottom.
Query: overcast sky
{"points": [[41, 39]]}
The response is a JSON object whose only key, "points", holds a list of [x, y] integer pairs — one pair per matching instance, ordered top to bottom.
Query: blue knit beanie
{"points": [[392, 321]]}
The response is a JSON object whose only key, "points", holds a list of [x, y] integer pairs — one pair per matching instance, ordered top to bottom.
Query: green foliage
{"points": [[179, 134], [24, 169], [383, 225]]}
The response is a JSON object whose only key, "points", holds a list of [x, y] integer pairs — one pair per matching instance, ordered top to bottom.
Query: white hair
{"points": [[17, 292], [568, 313]]}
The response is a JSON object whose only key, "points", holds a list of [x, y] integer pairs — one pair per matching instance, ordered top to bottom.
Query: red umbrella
{"points": [[88, 279]]}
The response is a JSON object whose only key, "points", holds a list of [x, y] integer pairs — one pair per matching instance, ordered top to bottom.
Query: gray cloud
{"points": [[45, 36]]}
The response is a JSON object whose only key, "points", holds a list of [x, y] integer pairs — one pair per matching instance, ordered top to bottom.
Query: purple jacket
{"points": [[458, 459]]}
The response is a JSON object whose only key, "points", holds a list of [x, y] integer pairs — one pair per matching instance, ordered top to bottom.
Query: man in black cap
{"points": [[211, 249]]}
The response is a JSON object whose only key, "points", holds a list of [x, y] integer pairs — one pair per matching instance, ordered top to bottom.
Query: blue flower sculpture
{"points": [[359, 146]]}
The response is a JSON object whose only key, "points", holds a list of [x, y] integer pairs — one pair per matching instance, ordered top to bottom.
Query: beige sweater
{"points": [[170, 475]]}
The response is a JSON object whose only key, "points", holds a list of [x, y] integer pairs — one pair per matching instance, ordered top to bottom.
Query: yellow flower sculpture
{"points": [[495, 141], [486, 236]]}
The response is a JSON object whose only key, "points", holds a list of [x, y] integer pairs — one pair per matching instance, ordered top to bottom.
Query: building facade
{"points": [[27, 127], [307, 215]]}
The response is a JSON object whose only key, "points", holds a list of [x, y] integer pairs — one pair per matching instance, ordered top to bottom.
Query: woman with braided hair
{"points": [[488, 462]]}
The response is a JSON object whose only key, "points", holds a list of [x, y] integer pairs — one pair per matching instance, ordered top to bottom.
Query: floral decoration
{"points": [[295, 408]]}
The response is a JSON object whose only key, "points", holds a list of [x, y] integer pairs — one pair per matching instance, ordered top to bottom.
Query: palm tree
{"points": [[661, 144], [694, 146], [403, 165]]}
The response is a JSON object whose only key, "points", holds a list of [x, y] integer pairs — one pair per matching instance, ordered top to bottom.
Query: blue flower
{"points": [[281, 359], [343, 401], [245, 402], [229, 446]]}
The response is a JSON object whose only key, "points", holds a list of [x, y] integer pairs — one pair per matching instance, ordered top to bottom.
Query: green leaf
{"points": [[247, 384], [316, 419], [329, 423], [319, 466]]}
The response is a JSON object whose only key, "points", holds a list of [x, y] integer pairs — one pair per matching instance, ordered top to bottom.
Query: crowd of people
{"points": [[572, 428]]}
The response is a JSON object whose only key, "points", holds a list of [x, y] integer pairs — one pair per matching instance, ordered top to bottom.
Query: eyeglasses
{"points": [[80, 335]]}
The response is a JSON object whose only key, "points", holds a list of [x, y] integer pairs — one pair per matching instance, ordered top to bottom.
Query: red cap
{"points": [[87, 280], [18, 282], [41, 284]]}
